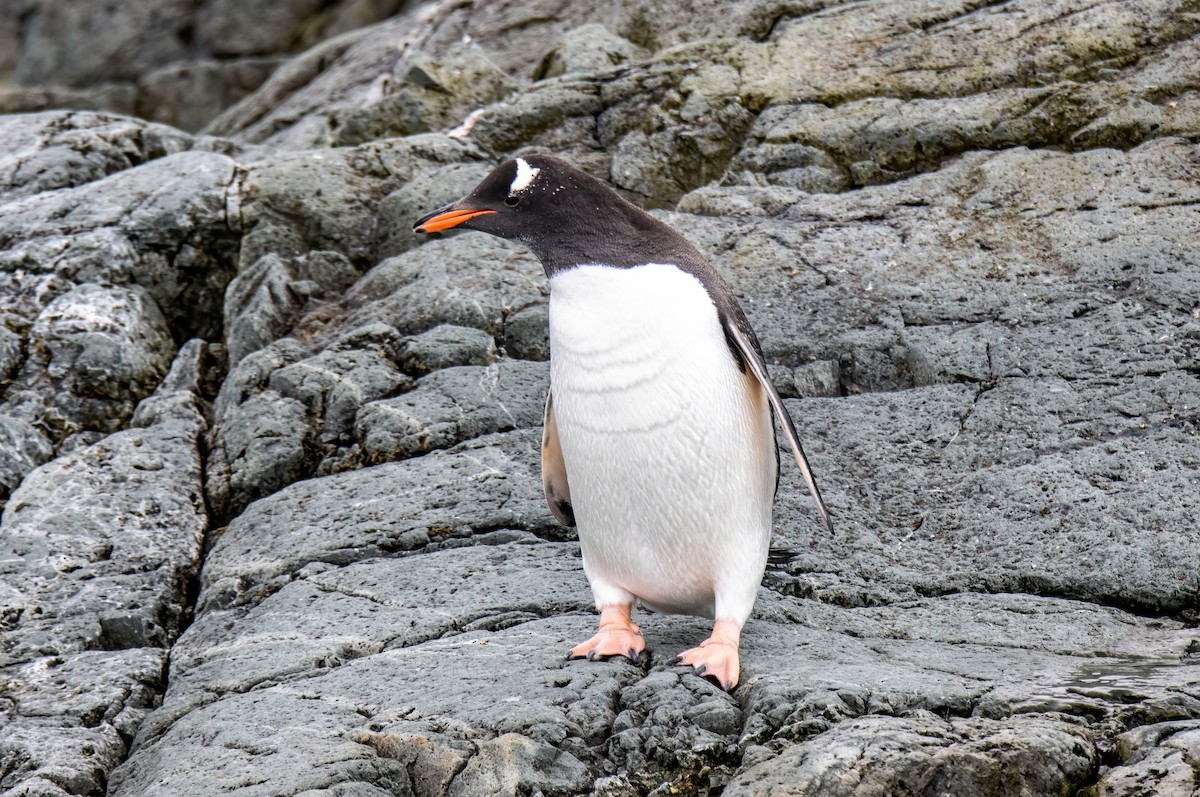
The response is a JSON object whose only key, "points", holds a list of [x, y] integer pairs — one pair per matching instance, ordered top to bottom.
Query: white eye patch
{"points": [[524, 178]]}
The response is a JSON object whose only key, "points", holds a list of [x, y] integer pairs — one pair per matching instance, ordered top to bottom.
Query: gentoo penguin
{"points": [[658, 440]]}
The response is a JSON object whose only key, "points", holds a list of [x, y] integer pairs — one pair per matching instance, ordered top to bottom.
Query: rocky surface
{"points": [[181, 63], [274, 523]]}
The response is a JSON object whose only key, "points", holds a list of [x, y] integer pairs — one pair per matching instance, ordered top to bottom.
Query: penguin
{"points": [[658, 440]]}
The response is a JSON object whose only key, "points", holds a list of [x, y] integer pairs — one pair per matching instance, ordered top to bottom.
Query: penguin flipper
{"points": [[747, 346], [554, 469]]}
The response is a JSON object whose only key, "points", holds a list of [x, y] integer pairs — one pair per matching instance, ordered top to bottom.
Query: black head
{"points": [[566, 216]]}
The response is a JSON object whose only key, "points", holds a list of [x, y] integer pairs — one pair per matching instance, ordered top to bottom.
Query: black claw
{"points": [[633, 654], [591, 655], [568, 657], [675, 661], [703, 668]]}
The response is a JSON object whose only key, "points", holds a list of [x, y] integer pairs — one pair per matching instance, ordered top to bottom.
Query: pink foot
{"points": [[618, 636], [717, 656]]}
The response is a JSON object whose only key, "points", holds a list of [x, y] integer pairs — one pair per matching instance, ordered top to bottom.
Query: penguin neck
{"points": [[622, 236]]}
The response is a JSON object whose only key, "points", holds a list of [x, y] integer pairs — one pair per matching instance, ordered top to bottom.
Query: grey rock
{"points": [[61, 45], [588, 48], [153, 56], [335, 89], [190, 94], [423, 95], [61, 150], [327, 200], [163, 224], [970, 260], [468, 281], [264, 301], [526, 333], [446, 346], [94, 352], [822, 378], [335, 384], [453, 405], [278, 434], [264, 444], [22, 448], [481, 487], [96, 551], [927, 755], [1152, 759], [512, 764]]}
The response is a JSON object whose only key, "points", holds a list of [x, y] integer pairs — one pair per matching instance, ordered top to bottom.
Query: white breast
{"points": [[669, 447]]}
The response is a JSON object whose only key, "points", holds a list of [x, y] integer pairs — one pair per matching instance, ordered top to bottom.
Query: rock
{"points": [[77, 43], [588, 48], [175, 62], [190, 94], [423, 95], [65, 150], [414, 199], [163, 224], [964, 232], [264, 301], [526, 333], [446, 346], [93, 354], [821, 378], [335, 384], [453, 405], [265, 445], [22, 448], [98, 548], [930, 755], [1154, 758], [511, 764]]}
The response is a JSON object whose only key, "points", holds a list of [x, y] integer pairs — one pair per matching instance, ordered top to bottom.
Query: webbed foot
{"points": [[618, 636], [717, 656]]}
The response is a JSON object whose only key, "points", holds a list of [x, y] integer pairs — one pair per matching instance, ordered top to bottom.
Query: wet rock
{"points": [[1152, 759]]}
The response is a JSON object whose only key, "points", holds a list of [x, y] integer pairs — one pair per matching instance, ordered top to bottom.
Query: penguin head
{"points": [[522, 199], [543, 202], [564, 215]]}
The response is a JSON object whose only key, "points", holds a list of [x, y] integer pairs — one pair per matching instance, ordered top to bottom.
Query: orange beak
{"points": [[444, 219]]}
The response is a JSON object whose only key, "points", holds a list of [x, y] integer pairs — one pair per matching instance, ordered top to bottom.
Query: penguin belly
{"points": [[669, 448]]}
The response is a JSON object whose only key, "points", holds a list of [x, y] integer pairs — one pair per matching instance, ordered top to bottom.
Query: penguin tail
{"points": [[780, 556]]}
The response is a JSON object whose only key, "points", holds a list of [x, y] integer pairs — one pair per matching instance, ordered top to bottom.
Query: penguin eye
{"points": [[512, 200]]}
